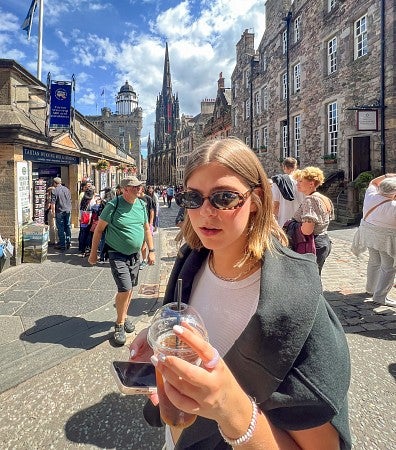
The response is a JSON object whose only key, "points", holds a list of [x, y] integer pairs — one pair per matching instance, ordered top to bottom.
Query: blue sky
{"points": [[105, 43]]}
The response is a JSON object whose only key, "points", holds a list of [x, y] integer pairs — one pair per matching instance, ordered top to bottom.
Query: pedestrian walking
{"points": [[170, 193], [285, 195], [149, 203], [61, 209], [315, 212], [50, 218], [127, 226], [377, 233], [276, 371]]}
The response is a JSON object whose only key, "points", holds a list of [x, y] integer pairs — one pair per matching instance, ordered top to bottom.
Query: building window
{"points": [[330, 5], [297, 29], [360, 37], [284, 41], [332, 55], [263, 61], [246, 75], [297, 78], [284, 86], [264, 98], [257, 102], [247, 109], [234, 117], [332, 124], [297, 136], [256, 139], [264, 139], [284, 140], [247, 141]]}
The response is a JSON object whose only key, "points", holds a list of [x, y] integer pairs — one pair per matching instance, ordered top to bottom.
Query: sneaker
{"points": [[68, 245], [101, 261], [142, 265], [390, 302], [129, 327], [119, 334]]}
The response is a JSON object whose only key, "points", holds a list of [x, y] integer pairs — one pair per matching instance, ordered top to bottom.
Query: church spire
{"points": [[167, 82]]}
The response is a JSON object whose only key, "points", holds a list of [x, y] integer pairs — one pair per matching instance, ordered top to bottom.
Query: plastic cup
{"points": [[163, 340]]}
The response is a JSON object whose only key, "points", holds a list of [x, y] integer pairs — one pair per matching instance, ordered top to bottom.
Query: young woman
{"points": [[315, 211], [282, 377]]}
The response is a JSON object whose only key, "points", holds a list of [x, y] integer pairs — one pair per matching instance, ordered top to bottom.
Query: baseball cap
{"points": [[58, 180], [131, 181]]}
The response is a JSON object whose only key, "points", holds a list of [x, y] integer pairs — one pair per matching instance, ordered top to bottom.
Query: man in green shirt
{"points": [[125, 218]]}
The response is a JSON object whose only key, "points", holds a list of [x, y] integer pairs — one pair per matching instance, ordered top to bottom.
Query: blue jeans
{"points": [[64, 229]]}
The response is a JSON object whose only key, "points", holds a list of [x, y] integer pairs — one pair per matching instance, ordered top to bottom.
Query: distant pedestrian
{"points": [[151, 192], [170, 193], [163, 195], [285, 195], [149, 203], [61, 208], [315, 212], [127, 226], [53, 231], [377, 233], [84, 237]]}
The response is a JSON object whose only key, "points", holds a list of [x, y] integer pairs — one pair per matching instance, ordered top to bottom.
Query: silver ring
{"points": [[213, 362]]}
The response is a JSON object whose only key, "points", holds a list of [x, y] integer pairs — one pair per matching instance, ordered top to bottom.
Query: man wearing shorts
{"points": [[125, 218]]}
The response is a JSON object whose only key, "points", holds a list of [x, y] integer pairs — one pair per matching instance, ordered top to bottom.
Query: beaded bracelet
{"points": [[249, 433]]}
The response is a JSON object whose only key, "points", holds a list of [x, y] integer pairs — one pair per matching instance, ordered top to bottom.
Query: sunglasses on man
{"points": [[219, 200]]}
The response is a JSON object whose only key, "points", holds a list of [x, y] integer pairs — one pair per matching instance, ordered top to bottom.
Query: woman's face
{"points": [[305, 186], [217, 229]]}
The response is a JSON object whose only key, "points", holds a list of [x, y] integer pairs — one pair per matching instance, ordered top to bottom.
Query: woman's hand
{"points": [[139, 350], [210, 391]]}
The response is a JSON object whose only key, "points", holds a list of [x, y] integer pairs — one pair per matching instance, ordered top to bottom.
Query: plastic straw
{"points": [[179, 296]]}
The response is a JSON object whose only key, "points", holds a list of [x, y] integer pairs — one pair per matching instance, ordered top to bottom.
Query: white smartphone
{"points": [[134, 377]]}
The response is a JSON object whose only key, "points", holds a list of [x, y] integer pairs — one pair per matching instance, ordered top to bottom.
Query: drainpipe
{"points": [[287, 19], [382, 81]]}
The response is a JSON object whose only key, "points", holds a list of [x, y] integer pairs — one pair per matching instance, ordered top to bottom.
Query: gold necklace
{"points": [[212, 269]]}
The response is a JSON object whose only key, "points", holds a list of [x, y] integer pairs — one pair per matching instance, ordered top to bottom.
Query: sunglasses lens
{"points": [[189, 199], [225, 200]]}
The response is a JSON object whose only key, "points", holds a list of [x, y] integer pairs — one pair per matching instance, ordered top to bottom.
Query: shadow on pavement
{"points": [[71, 332], [392, 370], [115, 422]]}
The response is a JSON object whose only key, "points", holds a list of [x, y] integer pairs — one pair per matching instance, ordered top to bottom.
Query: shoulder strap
{"points": [[375, 207], [115, 209]]}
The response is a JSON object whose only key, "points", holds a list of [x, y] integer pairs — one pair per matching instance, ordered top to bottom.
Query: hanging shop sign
{"points": [[60, 104], [367, 120], [31, 154]]}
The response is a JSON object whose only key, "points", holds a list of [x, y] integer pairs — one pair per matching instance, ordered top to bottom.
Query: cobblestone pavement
{"points": [[68, 400]]}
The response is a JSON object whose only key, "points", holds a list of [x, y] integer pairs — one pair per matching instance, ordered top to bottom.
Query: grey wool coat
{"points": [[292, 357]]}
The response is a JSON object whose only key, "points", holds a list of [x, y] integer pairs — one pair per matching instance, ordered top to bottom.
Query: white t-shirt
{"points": [[287, 208], [383, 216]]}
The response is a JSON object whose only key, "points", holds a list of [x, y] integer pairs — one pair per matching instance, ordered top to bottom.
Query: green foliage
{"points": [[363, 180]]}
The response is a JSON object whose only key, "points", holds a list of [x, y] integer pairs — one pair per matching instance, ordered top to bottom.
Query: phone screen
{"points": [[135, 374]]}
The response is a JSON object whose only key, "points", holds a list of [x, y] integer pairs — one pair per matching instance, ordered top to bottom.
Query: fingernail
{"points": [[178, 329], [132, 353], [161, 357], [154, 360]]}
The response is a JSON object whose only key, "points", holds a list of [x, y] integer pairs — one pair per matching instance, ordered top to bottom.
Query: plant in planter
{"points": [[263, 148], [330, 158], [103, 165], [123, 167], [132, 170]]}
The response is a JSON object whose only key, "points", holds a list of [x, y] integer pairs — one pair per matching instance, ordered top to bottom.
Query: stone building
{"points": [[320, 87], [125, 125], [219, 125], [191, 135], [161, 154], [31, 155]]}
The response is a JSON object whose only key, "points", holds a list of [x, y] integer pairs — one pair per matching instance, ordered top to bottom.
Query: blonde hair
{"points": [[237, 157], [312, 174]]}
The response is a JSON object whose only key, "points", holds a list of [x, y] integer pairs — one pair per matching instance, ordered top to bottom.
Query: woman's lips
{"points": [[209, 231]]}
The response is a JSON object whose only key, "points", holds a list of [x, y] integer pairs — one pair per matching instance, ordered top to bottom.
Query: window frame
{"points": [[297, 29], [360, 37], [284, 42], [332, 55], [297, 78], [284, 86], [332, 129], [297, 135], [284, 140]]}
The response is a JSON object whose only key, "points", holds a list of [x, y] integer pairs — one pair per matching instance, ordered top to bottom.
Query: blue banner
{"points": [[60, 104]]}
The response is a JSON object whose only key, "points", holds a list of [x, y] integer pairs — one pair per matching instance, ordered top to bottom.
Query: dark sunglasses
{"points": [[219, 199]]}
